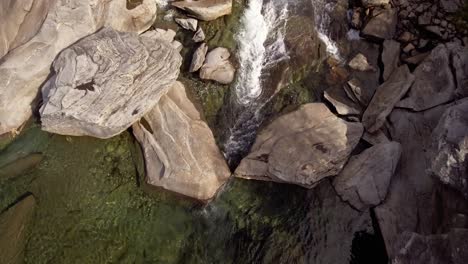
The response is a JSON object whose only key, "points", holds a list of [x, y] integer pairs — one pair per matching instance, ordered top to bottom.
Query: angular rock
{"points": [[451, 6], [205, 10], [20, 21], [187, 23], [382, 25], [165, 35], [199, 36], [390, 57], [198, 58], [360, 63], [217, 66], [460, 66], [24, 69], [434, 83], [354, 89], [337, 97], [102, 98], [385, 98], [376, 138], [302, 147], [179, 148], [449, 150], [365, 179], [408, 206], [13, 230], [415, 248]]}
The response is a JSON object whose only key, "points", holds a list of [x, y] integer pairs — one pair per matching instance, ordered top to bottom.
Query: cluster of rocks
{"points": [[110, 72]]}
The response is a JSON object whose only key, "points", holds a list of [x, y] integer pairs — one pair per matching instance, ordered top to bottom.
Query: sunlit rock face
{"points": [[24, 69], [103, 97], [301, 147], [179, 148]]}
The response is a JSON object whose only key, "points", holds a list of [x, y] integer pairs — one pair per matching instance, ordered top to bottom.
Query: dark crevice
{"points": [[131, 4], [15, 202]]}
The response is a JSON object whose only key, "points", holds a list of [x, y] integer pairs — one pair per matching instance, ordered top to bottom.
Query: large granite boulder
{"points": [[206, 10], [20, 21], [24, 69], [106, 82], [434, 82], [387, 95], [302, 147], [179, 148], [449, 151], [365, 179], [408, 206], [14, 229], [451, 247]]}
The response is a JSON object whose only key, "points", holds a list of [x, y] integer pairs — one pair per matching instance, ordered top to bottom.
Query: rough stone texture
{"points": [[369, 3], [206, 10], [138, 19], [20, 21], [187, 23], [382, 25], [164, 35], [199, 36], [390, 57], [198, 58], [360, 63], [217, 66], [460, 66], [25, 68], [434, 83], [103, 97], [385, 98], [343, 105], [378, 137], [301, 147], [179, 148], [449, 151], [365, 179], [408, 203], [13, 230], [451, 247]]}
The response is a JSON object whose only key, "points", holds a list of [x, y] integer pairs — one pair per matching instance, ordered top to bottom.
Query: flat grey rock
{"points": [[187, 23], [382, 25], [199, 36], [390, 57], [360, 63], [106, 82], [434, 83], [385, 98], [343, 105], [302, 147], [179, 148], [365, 179]]}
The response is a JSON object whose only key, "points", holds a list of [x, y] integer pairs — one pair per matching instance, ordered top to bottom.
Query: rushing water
{"points": [[261, 47]]}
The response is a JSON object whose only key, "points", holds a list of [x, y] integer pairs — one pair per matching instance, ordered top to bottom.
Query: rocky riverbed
{"points": [[234, 131]]}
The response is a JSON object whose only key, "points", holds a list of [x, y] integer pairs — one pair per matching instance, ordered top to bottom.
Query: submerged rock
{"points": [[206, 10], [20, 21], [217, 66], [24, 69], [434, 83], [103, 97], [385, 98], [301, 147], [179, 148], [449, 151], [365, 179], [13, 230], [451, 247]]}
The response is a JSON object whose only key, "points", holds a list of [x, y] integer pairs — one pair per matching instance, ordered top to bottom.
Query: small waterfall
{"points": [[322, 10], [254, 55]]}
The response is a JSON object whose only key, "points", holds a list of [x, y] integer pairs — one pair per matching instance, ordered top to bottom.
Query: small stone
{"points": [[187, 23], [199, 36], [408, 48], [198, 57], [360, 63], [217, 66]]}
